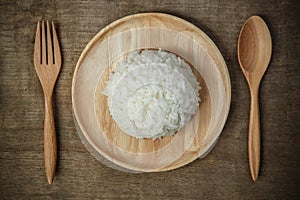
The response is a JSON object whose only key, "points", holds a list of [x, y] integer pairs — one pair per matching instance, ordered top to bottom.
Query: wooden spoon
{"points": [[254, 54]]}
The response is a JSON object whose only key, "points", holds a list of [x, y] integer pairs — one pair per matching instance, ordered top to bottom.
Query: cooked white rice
{"points": [[152, 94]]}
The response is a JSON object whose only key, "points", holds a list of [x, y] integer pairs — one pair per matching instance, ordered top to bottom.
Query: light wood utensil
{"points": [[254, 54], [47, 63]]}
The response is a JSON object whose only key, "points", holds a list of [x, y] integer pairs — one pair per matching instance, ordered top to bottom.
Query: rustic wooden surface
{"points": [[223, 174]]}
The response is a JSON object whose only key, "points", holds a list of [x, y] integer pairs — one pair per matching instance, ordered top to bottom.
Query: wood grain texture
{"points": [[150, 30], [254, 54], [47, 63], [223, 174]]}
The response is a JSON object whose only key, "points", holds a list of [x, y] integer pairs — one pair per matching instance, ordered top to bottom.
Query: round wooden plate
{"points": [[150, 31]]}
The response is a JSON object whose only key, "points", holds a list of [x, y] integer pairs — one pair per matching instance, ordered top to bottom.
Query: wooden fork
{"points": [[47, 63]]}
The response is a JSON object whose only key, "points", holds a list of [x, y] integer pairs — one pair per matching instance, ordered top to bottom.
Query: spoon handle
{"points": [[254, 135]]}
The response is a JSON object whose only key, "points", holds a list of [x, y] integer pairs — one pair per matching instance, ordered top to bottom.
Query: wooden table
{"points": [[223, 174]]}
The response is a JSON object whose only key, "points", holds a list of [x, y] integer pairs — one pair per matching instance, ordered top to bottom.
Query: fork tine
{"points": [[37, 46], [50, 52], [57, 56], [44, 58]]}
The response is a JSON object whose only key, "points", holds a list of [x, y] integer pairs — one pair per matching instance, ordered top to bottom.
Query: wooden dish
{"points": [[143, 31]]}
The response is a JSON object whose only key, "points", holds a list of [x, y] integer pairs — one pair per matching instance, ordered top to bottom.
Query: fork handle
{"points": [[254, 135], [50, 146]]}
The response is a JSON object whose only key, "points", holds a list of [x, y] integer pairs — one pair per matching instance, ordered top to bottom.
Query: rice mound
{"points": [[152, 93]]}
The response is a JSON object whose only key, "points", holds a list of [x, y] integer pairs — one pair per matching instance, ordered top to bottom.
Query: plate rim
{"points": [[107, 28]]}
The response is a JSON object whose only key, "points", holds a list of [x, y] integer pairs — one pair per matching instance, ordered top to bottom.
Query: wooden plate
{"points": [[143, 31]]}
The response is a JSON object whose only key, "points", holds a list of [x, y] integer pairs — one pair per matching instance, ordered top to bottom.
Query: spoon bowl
{"points": [[254, 48], [254, 54]]}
